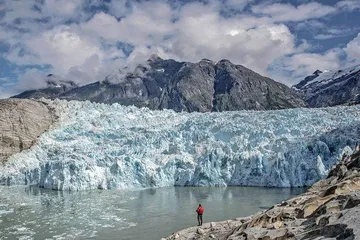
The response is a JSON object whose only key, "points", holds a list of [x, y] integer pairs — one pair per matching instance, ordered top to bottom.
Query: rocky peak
{"points": [[154, 58], [205, 60], [224, 62], [317, 72], [307, 79], [53, 81]]}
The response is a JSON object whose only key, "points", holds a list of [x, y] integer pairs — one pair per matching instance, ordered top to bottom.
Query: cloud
{"points": [[238, 4], [349, 5], [60, 8], [288, 12], [147, 24], [199, 32], [330, 33], [211, 36], [81, 39], [67, 50], [352, 50], [292, 69], [31, 78], [5, 93]]}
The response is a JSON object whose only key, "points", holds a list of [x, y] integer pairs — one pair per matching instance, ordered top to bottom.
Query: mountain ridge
{"points": [[183, 86], [331, 88]]}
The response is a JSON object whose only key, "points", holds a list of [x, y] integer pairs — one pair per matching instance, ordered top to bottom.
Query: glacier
{"points": [[95, 145]]}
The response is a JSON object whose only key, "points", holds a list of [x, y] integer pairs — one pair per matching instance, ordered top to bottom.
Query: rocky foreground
{"points": [[21, 123], [330, 209]]}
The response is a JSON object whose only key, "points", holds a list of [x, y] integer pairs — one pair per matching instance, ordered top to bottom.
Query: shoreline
{"points": [[329, 209]]}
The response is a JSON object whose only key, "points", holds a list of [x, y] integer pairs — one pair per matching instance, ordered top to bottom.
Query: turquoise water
{"points": [[33, 213]]}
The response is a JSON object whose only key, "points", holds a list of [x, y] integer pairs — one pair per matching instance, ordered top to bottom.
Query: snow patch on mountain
{"points": [[328, 76], [112, 146]]}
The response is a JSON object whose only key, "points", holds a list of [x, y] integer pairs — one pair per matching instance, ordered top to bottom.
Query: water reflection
{"points": [[30, 212]]}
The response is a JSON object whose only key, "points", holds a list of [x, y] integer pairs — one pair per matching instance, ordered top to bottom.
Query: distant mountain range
{"points": [[181, 86], [328, 88]]}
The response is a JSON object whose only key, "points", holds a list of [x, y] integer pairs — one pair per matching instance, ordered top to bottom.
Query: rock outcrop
{"points": [[182, 86], [21, 122], [328, 210]]}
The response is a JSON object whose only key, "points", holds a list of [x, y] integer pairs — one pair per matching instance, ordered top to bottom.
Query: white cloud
{"points": [[349, 5], [61, 8], [19, 9], [287, 12], [147, 24], [311, 25], [199, 32], [330, 33], [254, 44], [61, 47], [352, 50], [76, 51], [86, 51], [69, 52], [304, 64], [32, 78], [5, 93]]}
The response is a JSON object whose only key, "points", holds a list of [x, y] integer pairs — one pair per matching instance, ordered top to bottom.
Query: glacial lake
{"points": [[33, 213]]}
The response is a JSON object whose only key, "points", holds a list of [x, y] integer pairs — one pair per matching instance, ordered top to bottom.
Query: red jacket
{"points": [[200, 210]]}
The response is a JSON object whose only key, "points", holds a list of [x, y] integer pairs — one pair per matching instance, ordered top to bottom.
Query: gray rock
{"points": [[21, 122], [200, 231]]}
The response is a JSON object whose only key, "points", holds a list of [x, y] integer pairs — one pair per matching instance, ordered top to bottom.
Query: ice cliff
{"points": [[111, 146]]}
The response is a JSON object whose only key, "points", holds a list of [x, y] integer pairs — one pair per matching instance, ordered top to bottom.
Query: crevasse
{"points": [[112, 146]]}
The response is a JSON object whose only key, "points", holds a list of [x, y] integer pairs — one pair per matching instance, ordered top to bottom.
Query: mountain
{"points": [[308, 79], [183, 86], [54, 88], [328, 88]]}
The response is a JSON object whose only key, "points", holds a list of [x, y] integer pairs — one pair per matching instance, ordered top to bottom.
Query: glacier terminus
{"points": [[95, 145]]}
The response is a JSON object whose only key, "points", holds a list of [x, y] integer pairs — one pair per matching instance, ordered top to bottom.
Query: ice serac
{"points": [[112, 146]]}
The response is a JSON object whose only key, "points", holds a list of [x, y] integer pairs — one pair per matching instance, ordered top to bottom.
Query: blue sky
{"points": [[86, 40]]}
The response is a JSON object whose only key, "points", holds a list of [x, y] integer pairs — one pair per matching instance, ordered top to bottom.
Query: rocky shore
{"points": [[22, 122], [330, 209]]}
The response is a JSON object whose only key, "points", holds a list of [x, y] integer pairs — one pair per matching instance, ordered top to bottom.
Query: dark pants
{"points": [[200, 219]]}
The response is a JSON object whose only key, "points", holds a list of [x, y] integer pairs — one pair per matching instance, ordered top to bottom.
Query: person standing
{"points": [[200, 211]]}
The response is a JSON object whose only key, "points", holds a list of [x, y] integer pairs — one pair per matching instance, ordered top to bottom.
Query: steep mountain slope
{"points": [[183, 86], [329, 88]]}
